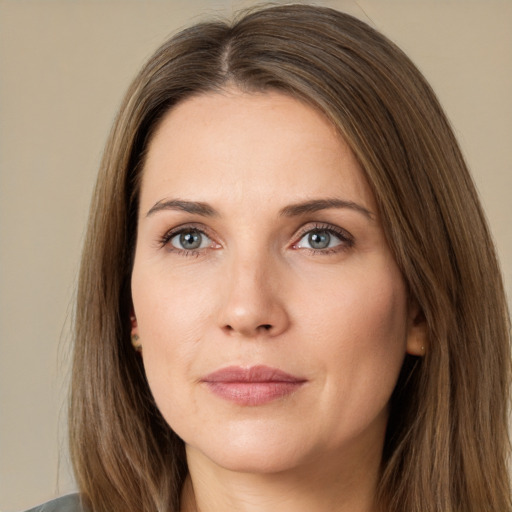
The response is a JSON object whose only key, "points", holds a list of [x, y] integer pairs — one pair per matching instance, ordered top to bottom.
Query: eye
{"points": [[323, 239], [189, 240], [318, 240]]}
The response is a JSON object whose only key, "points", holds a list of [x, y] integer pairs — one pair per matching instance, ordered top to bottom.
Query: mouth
{"points": [[252, 386]]}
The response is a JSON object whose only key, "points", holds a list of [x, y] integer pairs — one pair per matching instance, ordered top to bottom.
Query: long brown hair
{"points": [[447, 440]]}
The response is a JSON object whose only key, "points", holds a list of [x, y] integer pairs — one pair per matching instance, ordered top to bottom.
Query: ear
{"points": [[133, 322], [134, 335], [417, 336]]}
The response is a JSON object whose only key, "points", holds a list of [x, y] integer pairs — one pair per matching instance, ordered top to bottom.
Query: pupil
{"points": [[190, 240], [319, 240]]}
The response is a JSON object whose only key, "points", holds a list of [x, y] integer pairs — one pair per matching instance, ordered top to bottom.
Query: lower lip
{"points": [[253, 393]]}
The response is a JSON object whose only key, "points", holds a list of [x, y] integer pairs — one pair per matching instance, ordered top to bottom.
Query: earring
{"points": [[136, 343]]}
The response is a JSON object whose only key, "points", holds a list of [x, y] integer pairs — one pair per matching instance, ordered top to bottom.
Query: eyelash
{"points": [[346, 239], [164, 241]]}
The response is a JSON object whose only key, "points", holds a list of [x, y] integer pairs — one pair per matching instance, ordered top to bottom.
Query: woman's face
{"points": [[272, 315]]}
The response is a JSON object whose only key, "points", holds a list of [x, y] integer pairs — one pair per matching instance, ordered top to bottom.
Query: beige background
{"points": [[64, 66]]}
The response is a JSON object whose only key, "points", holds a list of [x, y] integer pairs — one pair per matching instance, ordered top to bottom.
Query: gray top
{"points": [[69, 503]]}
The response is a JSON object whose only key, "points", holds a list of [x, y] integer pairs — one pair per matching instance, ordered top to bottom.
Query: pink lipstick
{"points": [[257, 385]]}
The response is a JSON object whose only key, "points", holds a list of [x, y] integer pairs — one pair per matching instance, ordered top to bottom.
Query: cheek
{"points": [[170, 307], [368, 308], [170, 325], [361, 332], [170, 347]]}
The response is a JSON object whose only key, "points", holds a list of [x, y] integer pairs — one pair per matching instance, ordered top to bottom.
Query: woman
{"points": [[289, 298]]}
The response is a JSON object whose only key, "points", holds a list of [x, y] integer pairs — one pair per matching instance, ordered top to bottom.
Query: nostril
{"points": [[267, 327]]}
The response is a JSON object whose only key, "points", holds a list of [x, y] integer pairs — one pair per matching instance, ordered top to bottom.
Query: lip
{"points": [[252, 386]]}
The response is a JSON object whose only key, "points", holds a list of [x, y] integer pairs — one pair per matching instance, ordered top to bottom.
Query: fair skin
{"points": [[259, 245]]}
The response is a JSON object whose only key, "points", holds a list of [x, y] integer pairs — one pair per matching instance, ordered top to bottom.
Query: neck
{"points": [[322, 486]]}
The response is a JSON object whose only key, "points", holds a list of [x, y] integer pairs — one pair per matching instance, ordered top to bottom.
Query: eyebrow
{"points": [[316, 205], [195, 207], [293, 210]]}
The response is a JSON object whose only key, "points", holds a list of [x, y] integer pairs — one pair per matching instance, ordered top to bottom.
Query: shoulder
{"points": [[69, 503]]}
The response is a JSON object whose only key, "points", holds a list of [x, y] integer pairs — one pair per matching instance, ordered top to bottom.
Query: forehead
{"points": [[247, 145]]}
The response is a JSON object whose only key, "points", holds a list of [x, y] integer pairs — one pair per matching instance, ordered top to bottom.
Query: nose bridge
{"points": [[252, 302]]}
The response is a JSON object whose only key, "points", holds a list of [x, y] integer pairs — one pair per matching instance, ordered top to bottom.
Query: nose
{"points": [[253, 303]]}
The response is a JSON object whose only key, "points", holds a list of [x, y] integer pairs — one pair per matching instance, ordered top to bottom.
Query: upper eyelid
{"points": [[197, 226], [324, 226], [166, 237]]}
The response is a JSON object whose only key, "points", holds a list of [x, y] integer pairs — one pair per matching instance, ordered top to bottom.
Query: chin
{"points": [[242, 454]]}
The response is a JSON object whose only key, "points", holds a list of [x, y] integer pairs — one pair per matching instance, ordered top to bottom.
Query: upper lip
{"points": [[258, 373]]}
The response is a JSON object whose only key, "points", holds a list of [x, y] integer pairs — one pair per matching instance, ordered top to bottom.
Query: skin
{"points": [[256, 293]]}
